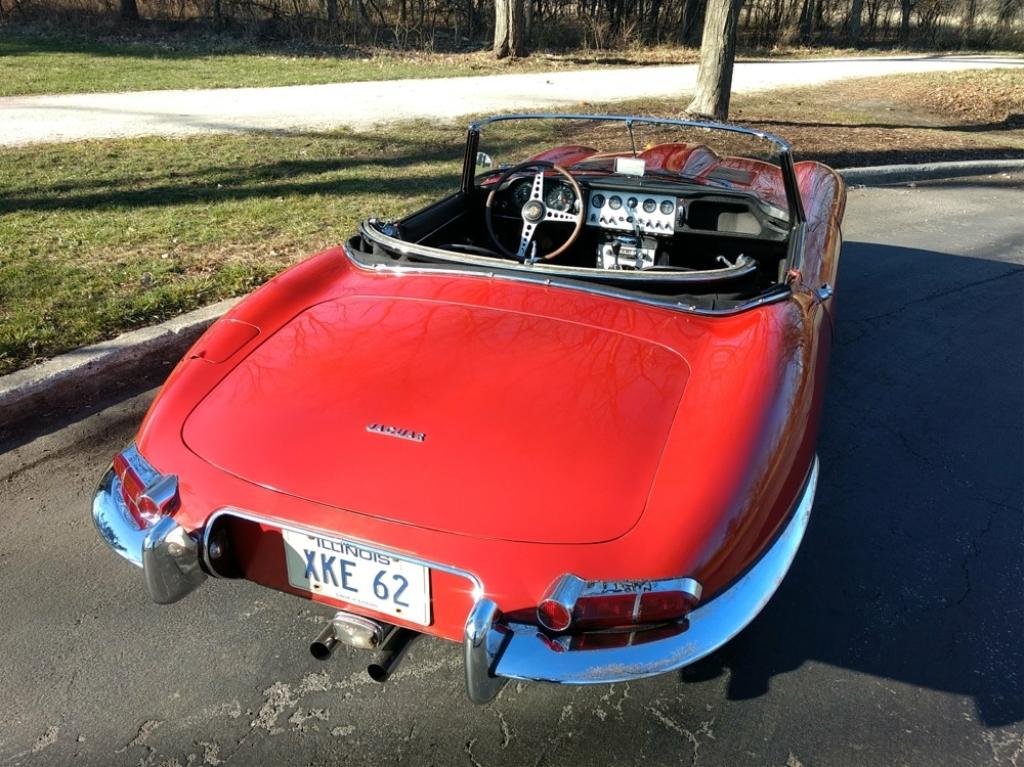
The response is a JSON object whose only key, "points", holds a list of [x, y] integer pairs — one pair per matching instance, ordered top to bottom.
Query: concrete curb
{"points": [[901, 174], [77, 376], [74, 377]]}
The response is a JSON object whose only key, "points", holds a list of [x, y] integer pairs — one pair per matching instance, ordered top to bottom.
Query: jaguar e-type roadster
{"points": [[565, 415]]}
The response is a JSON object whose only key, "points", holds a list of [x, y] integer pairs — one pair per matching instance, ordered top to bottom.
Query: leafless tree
{"points": [[129, 10], [509, 29], [717, 52]]}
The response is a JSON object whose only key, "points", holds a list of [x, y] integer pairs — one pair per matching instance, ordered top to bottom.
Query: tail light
{"points": [[148, 494], [587, 605]]}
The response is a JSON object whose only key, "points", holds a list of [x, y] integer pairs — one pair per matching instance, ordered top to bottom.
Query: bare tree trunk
{"points": [[905, 8], [129, 10], [690, 10], [332, 11], [970, 16], [806, 21], [508, 29], [853, 35], [717, 52]]}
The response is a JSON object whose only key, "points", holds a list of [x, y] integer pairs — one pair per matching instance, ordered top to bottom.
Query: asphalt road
{"points": [[362, 105], [895, 640]]}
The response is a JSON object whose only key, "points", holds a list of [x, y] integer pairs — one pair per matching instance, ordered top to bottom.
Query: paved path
{"points": [[30, 119], [895, 640]]}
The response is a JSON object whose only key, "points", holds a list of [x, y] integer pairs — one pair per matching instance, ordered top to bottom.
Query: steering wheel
{"points": [[535, 211]]}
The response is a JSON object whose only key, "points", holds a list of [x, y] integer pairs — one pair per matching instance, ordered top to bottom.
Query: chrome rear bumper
{"points": [[167, 554], [496, 651]]}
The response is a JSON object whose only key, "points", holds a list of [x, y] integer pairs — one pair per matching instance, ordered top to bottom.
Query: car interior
{"points": [[625, 221]]}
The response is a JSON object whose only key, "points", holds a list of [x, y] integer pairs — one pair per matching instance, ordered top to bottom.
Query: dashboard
{"points": [[628, 212], [635, 221]]}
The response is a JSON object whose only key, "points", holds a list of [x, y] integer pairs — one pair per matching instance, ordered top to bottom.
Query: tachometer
{"points": [[521, 193]]}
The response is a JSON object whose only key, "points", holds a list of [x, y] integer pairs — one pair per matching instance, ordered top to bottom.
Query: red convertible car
{"points": [[565, 415]]}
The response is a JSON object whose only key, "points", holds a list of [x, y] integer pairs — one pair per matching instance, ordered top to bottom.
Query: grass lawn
{"points": [[35, 64], [39, 65], [103, 236]]}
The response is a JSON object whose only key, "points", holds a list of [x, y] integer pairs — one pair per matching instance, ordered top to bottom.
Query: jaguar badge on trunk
{"points": [[395, 431]]}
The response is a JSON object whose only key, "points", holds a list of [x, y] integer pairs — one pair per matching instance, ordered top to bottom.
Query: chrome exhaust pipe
{"points": [[353, 630], [322, 647], [391, 653]]}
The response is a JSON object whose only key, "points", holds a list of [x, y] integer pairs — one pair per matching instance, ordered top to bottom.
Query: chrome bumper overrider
{"points": [[167, 554], [497, 651]]}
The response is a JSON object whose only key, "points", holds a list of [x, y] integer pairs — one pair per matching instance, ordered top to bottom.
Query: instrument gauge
{"points": [[521, 193], [560, 197], [597, 200], [615, 202], [631, 202], [650, 205], [667, 208]]}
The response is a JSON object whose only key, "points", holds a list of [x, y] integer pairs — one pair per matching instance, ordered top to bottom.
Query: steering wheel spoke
{"points": [[537, 189], [535, 210], [560, 215], [525, 239]]}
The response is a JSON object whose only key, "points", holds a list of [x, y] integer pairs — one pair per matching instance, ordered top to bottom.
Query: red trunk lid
{"points": [[534, 429]]}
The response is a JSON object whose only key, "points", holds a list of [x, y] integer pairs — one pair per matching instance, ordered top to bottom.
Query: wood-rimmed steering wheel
{"points": [[535, 211]]}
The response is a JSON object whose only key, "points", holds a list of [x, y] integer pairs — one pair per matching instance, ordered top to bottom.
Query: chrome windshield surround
{"points": [[779, 142], [786, 167], [744, 264], [781, 293], [283, 524], [521, 651]]}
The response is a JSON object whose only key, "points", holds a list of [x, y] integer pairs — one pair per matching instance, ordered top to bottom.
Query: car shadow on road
{"points": [[911, 569]]}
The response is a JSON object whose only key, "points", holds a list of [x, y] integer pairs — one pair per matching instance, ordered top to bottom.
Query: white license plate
{"points": [[358, 574]]}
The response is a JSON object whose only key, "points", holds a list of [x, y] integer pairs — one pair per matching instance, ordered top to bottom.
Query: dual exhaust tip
{"points": [[389, 642]]}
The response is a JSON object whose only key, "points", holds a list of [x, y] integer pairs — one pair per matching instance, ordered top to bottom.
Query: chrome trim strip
{"points": [[744, 264], [782, 293], [140, 465], [283, 524], [529, 655]]}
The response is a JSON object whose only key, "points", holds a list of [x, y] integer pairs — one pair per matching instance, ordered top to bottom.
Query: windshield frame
{"points": [[786, 167]]}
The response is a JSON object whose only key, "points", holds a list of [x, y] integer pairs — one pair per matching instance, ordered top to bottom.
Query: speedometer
{"points": [[560, 197]]}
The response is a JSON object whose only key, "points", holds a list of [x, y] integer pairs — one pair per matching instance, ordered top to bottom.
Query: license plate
{"points": [[358, 574]]}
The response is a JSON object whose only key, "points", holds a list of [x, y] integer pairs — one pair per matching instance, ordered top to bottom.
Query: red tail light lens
{"points": [[131, 485], [147, 494], [582, 605], [662, 606], [604, 611], [554, 615]]}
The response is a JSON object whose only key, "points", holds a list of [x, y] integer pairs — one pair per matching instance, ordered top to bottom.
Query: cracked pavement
{"points": [[895, 640]]}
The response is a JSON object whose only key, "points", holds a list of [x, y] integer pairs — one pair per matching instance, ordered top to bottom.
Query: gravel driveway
{"points": [[34, 119]]}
